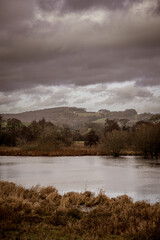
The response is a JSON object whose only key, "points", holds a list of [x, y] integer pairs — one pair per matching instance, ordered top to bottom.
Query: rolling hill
{"points": [[77, 117]]}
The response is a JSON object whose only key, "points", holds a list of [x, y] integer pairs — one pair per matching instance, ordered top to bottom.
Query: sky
{"points": [[94, 54]]}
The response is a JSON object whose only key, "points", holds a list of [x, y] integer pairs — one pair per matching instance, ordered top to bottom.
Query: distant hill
{"points": [[77, 117]]}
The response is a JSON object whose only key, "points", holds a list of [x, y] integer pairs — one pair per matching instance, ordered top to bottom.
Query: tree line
{"points": [[43, 133], [143, 138]]}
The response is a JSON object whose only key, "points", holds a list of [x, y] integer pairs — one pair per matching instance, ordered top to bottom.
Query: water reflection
{"points": [[134, 176]]}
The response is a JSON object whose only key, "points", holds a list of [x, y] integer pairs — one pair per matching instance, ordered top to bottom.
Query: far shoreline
{"points": [[68, 152]]}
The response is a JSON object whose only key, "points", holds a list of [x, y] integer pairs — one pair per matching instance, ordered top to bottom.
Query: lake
{"points": [[134, 176]]}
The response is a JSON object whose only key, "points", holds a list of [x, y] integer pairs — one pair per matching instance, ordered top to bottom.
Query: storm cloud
{"points": [[83, 5], [60, 43]]}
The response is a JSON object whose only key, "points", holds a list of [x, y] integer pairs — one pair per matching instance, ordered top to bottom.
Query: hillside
{"points": [[77, 117]]}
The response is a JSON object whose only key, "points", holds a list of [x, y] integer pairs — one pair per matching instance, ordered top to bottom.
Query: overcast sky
{"points": [[96, 54]]}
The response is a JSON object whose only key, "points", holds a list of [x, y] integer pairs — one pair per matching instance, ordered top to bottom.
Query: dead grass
{"points": [[75, 150], [64, 151], [24, 213]]}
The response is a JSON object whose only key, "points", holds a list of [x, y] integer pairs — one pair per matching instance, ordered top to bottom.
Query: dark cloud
{"points": [[50, 5], [77, 5], [157, 9], [16, 12], [78, 48], [73, 51], [83, 68]]}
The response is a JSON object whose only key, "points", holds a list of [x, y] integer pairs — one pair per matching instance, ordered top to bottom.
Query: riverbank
{"points": [[69, 151], [42, 213]]}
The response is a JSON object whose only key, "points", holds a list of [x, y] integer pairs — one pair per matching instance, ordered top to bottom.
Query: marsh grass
{"points": [[50, 151], [64, 151], [42, 213]]}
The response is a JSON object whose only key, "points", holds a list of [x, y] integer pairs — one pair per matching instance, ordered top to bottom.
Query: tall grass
{"points": [[49, 151], [25, 212]]}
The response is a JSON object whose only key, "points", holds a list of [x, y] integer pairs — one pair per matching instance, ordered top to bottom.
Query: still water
{"points": [[134, 176]]}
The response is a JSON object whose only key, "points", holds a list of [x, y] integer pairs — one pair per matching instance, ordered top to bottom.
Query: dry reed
{"points": [[74, 215]]}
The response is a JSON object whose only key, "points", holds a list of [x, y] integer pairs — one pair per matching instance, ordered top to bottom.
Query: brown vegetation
{"points": [[39, 151], [69, 151], [42, 213]]}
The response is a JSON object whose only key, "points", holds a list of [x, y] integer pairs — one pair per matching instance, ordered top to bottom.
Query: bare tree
{"points": [[147, 140], [115, 141]]}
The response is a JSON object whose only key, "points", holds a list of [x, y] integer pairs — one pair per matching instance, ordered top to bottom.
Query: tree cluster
{"points": [[43, 133], [143, 138], [147, 140]]}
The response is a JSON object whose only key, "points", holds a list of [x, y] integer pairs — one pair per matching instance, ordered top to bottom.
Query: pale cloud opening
{"points": [[95, 97]]}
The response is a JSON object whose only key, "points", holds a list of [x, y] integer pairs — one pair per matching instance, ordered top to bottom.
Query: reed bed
{"points": [[38, 151], [68, 151], [42, 213]]}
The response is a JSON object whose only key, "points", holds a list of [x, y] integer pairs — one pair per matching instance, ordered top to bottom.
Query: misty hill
{"points": [[77, 117]]}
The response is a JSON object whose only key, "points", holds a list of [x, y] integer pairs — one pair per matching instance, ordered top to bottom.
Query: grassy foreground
{"points": [[43, 214]]}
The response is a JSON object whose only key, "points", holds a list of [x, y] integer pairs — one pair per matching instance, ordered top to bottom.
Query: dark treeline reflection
{"points": [[112, 139]]}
